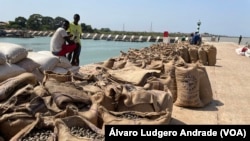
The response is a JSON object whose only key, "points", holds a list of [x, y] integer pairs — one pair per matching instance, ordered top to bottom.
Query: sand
{"points": [[231, 91]]}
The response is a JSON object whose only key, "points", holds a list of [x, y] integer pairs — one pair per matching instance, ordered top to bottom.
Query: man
{"points": [[75, 30], [196, 39], [240, 39], [60, 43]]}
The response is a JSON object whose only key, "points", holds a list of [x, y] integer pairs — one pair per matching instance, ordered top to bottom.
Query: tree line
{"points": [[41, 23]]}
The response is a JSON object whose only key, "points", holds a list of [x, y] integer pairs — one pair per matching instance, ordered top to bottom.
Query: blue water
{"points": [[93, 51]]}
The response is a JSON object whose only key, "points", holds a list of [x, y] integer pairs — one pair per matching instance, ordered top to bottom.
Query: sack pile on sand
{"points": [[138, 87]]}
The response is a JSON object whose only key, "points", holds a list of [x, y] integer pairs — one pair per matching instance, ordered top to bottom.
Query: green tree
{"points": [[21, 22], [35, 22], [58, 22], [48, 23]]}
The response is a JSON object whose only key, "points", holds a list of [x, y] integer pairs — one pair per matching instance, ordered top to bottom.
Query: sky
{"points": [[220, 17]]}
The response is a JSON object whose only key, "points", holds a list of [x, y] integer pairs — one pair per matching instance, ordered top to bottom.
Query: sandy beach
{"points": [[229, 80]]}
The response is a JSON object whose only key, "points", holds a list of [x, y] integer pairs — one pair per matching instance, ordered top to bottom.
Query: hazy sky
{"points": [[223, 17]]}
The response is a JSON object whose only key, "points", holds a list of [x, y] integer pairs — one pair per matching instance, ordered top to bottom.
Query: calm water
{"points": [[93, 51]]}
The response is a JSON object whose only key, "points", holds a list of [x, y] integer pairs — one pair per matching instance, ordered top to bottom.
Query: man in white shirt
{"points": [[60, 43]]}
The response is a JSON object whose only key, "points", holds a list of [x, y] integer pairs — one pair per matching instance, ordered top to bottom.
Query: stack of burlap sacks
{"points": [[138, 87]]}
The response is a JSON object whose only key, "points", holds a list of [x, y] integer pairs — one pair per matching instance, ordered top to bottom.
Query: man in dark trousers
{"points": [[75, 30], [240, 39]]}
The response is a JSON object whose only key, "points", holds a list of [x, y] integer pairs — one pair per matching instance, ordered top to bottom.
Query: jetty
{"points": [[90, 36]]}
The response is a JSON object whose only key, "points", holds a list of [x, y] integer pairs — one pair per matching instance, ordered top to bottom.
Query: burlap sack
{"points": [[183, 50], [193, 53], [211, 53], [202, 54], [134, 62], [109, 63], [119, 64], [155, 65], [133, 75], [170, 76], [60, 77], [187, 80], [153, 83], [9, 86], [91, 89], [41, 91], [67, 93], [206, 93], [109, 96], [137, 99], [106, 100], [141, 100], [164, 100], [18, 101], [37, 105], [91, 113], [11, 124], [77, 128], [40, 129]]}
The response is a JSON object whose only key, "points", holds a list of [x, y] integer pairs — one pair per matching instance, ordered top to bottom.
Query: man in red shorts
{"points": [[60, 43]]}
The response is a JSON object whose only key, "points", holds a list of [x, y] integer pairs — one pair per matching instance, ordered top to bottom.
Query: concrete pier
{"points": [[96, 36]]}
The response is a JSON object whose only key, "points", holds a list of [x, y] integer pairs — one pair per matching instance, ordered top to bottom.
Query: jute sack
{"points": [[184, 53], [193, 53], [211, 53], [202, 54], [109, 63], [119, 64], [155, 65], [169, 74], [133, 75], [60, 77], [187, 79], [154, 83], [9, 86], [91, 89], [66, 93], [206, 93], [136, 99], [106, 100], [164, 100], [18, 101], [38, 105], [70, 110], [91, 114], [134, 117], [12, 123], [77, 128], [41, 129]]}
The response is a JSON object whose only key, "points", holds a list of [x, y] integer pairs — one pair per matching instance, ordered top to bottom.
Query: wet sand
{"points": [[229, 79]]}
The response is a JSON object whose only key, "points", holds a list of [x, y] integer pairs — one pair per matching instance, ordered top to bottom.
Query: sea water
{"points": [[93, 51]]}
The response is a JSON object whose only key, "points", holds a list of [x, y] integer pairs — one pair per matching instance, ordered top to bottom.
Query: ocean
{"points": [[94, 51]]}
